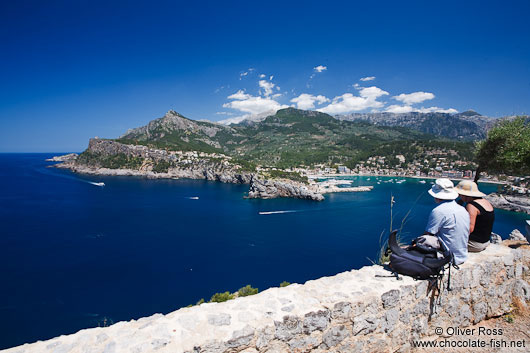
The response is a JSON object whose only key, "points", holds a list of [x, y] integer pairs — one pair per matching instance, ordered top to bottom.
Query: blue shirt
{"points": [[450, 222]]}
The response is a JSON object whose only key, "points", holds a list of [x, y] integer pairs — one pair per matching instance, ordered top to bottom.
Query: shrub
{"points": [[161, 166], [284, 284], [247, 290], [221, 297]]}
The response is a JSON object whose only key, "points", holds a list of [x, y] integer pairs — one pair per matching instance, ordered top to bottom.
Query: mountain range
{"points": [[468, 125], [294, 137]]}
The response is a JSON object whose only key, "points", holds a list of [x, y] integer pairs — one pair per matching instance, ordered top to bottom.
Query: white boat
{"points": [[422, 181], [97, 184], [193, 197], [275, 212]]}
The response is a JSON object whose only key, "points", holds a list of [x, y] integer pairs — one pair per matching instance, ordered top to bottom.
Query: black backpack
{"points": [[419, 262]]}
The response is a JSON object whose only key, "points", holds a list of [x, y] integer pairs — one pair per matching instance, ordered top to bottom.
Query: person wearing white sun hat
{"points": [[481, 215], [449, 221]]}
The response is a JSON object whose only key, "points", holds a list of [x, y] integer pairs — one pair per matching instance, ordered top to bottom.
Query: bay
{"points": [[74, 255]]}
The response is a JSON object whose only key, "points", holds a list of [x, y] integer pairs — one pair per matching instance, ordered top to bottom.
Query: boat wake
{"points": [[192, 197], [277, 212]]}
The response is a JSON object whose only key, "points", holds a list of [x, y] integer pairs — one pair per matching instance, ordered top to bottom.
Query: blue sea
{"points": [[74, 255]]}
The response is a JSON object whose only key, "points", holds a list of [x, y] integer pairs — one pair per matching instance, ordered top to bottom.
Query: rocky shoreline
{"points": [[189, 165], [258, 188], [268, 189], [510, 202]]}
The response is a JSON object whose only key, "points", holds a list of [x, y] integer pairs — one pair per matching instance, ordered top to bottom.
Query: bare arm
{"points": [[473, 213]]}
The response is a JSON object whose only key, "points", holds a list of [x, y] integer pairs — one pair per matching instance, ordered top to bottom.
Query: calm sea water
{"points": [[74, 255]]}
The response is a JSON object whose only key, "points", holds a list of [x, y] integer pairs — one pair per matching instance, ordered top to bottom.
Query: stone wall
{"points": [[361, 310]]}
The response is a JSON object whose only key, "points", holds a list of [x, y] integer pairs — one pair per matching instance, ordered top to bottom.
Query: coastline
{"points": [[334, 175], [258, 188]]}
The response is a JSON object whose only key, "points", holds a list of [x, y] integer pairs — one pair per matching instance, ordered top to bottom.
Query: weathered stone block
{"points": [[421, 289], [521, 290], [390, 299], [422, 308], [341, 311], [480, 311], [391, 319], [316, 321], [365, 324], [288, 328], [335, 335], [241, 337], [264, 337]]}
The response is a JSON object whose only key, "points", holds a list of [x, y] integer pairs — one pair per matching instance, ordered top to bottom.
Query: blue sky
{"points": [[71, 70]]}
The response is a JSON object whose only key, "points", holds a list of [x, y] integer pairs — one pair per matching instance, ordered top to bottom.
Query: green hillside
{"points": [[291, 138]]}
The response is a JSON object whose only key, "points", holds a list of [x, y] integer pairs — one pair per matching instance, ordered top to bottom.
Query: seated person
{"points": [[481, 215], [449, 221]]}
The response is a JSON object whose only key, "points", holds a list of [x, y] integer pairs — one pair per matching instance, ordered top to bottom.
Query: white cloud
{"points": [[320, 68], [245, 73], [262, 76], [368, 78], [267, 87], [372, 92], [240, 95], [413, 98], [307, 101], [348, 102], [247, 103], [399, 109], [437, 110], [224, 113], [247, 117], [235, 120]]}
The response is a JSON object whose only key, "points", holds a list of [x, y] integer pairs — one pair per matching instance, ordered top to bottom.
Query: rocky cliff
{"points": [[267, 189], [510, 202]]}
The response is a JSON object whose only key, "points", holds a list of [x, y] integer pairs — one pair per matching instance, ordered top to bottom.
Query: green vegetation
{"points": [[506, 149], [112, 161], [246, 165], [161, 166], [280, 174], [284, 284], [247, 290], [224, 296], [221, 297], [509, 318]]}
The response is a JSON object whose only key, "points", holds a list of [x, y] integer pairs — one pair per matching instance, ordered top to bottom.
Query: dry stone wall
{"points": [[364, 310]]}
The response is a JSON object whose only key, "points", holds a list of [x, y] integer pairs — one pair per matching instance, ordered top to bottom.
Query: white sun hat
{"points": [[469, 188], [443, 189]]}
